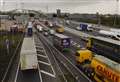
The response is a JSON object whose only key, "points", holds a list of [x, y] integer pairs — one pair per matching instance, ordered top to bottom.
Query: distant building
{"points": [[58, 12], [4, 16], [83, 16]]}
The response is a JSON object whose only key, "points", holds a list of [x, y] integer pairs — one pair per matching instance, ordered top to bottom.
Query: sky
{"points": [[69, 6]]}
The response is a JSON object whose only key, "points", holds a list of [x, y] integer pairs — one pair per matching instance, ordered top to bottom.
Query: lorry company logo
{"points": [[108, 73]]}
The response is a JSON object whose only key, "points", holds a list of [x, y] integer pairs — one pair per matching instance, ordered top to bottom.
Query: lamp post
{"points": [[1, 5], [116, 13], [98, 18]]}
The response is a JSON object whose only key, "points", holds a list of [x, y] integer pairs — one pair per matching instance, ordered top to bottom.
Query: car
{"points": [[67, 22], [50, 25], [78, 28], [40, 29], [45, 29], [52, 32], [46, 33]]}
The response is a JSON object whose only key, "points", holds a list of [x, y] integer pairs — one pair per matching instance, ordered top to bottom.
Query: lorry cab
{"points": [[83, 55]]}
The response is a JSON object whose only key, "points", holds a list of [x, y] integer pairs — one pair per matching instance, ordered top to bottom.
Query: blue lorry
{"points": [[84, 27]]}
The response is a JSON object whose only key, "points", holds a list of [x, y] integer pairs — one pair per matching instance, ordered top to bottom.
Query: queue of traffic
{"points": [[99, 59], [102, 66]]}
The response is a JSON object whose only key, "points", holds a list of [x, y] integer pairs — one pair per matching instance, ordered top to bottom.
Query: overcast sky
{"points": [[71, 6]]}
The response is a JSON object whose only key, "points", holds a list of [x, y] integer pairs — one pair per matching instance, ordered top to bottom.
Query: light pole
{"points": [[1, 5], [116, 13], [98, 18]]}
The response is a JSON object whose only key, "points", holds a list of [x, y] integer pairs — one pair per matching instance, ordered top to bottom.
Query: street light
{"points": [[1, 4], [116, 12]]}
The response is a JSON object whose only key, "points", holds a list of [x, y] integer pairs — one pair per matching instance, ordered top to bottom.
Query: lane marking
{"points": [[38, 44], [39, 47], [40, 50], [42, 56], [49, 61], [44, 63], [17, 72], [47, 73], [40, 74]]}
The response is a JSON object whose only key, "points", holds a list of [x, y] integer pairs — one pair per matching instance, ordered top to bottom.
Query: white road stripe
{"points": [[37, 43], [39, 47], [40, 50], [42, 56], [49, 61], [44, 63], [51, 64], [42, 71], [17, 72], [40, 74]]}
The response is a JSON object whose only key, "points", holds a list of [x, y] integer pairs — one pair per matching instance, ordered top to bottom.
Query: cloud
{"points": [[72, 6]]}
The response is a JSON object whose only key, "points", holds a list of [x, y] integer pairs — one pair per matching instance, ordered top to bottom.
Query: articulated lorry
{"points": [[84, 27], [97, 67]]}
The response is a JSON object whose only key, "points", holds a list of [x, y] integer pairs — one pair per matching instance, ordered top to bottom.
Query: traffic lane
{"points": [[73, 26], [96, 26], [94, 32], [76, 39], [70, 54], [46, 68], [14, 70], [57, 72], [67, 73], [28, 76], [80, 76]]}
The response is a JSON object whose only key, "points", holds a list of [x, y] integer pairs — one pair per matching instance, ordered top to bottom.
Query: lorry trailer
{"points": [[28, 55], [97, 67]]}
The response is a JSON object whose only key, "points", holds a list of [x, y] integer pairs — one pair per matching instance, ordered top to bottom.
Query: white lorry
{"points": [[111, 34], [28, 55]]}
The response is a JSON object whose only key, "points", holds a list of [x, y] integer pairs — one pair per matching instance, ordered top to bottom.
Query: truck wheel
{"points": [[90, 72]]}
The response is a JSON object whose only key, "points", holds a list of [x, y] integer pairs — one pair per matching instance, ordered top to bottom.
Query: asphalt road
{"points": [[45, 71], [75, 71], [55, 75], [28, 76]]}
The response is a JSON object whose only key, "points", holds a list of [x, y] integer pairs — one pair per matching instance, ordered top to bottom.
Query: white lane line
{"points": [[38, 44], [78, 46], [39, 47], [40, 50], [73, 52], [42, 56], [49, 62], [44, 63], [67, 68], [17, 72], [47, 73], [40, 74]]}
